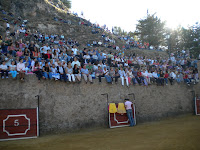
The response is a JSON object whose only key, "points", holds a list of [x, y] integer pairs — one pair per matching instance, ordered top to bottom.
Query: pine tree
{"points": [[67, 3], [151, 30]]}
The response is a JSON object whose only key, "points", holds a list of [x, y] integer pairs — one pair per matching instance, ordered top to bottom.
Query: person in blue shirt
{"points": [[86, 75]]}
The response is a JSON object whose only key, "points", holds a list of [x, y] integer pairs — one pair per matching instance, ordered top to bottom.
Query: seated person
{"points": [[13, 69], [21, 69], [4, 70], [46, 71], [54, 71], [69, 72], [77, 73], [85, 74]]}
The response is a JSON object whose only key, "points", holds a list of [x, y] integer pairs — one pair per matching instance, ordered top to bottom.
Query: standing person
{"points": [[21, 69], [129, 111]]}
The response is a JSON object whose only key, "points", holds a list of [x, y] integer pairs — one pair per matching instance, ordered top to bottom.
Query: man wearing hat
{"points": [[129, 111]]}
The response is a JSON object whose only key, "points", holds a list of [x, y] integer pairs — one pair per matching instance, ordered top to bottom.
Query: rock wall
{"points": [[66, 107]]}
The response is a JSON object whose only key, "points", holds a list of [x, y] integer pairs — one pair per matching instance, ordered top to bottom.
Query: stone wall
{"points": [[66, 107]]}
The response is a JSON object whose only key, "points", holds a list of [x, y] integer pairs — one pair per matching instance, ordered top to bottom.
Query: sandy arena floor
{"points": [[180, 133]]}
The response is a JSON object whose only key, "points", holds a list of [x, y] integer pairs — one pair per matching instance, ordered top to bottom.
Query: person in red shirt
{"points": [[48, 55], [130, 63], [166, 77], [140, 78], [185, 78]]}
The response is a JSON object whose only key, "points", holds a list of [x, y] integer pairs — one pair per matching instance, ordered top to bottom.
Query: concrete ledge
{"points": [[65, 107]]}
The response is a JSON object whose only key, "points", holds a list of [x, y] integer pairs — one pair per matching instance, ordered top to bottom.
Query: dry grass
{"points": [[181, 133]]}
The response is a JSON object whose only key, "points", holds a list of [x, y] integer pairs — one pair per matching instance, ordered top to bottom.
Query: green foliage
{"points": [[67, 3], [151, 29], [119, 31], [182, 38], [174, 39], [191, 39]]}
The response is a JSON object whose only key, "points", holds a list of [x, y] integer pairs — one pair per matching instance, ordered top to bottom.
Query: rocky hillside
{"points": [[49, 17], [52, 17]]}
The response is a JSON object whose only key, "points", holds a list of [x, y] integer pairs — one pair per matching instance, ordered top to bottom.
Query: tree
{"points": [[67, 3], [117, 30], [151, 30], [174, 39], [191, 39]]}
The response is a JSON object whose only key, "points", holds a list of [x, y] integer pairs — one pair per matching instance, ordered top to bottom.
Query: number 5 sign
{"points": [[18, 123]]}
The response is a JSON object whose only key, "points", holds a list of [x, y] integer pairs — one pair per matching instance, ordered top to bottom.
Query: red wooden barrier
{"points": [[197, 105], [120, 120], [18, 124]]}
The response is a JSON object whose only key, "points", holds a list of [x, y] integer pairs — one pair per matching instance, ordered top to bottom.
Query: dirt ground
{"points": [[180, 133]]}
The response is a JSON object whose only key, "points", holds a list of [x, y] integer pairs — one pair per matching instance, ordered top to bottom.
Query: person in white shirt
{"points": [[7, 26], [22, 30], [99, 43], [55, 47], [45, 48], [75, 50], [55, 54], [94, 57], [86, 58], [117, 59], [173, 59], [33, 62], [56, 62], [75, 62], [64, 64], [126, 64], [13, 69], [21, 69], [4, 70], [61, 71], [69, 72], [55, 73], [145, 75], [123, 76], [130, 76], [150, 76], [155, 76], [172, 77], [129, 111]]}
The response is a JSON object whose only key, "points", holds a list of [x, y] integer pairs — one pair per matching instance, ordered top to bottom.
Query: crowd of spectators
{"points": [[55, 57]]}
